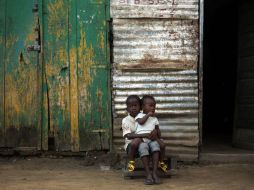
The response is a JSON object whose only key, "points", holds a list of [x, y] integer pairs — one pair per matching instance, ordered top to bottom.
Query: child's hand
{"points": [[151, 114], [153, 135]]}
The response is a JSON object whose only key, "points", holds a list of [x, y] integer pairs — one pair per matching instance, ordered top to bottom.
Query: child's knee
{"points": [[136, 142]]}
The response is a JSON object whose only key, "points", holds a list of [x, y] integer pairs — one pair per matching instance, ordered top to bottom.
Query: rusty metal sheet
{"points": [[180, 9], [155, 44], [156, 52], [176, 94]]}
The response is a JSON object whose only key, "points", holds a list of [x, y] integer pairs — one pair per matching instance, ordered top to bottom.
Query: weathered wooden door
{"points": [[76, 60], [93, 74], [20, 75], [244, 120]]}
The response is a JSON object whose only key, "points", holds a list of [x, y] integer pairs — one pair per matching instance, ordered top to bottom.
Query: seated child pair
{"points": [[142, 128]]}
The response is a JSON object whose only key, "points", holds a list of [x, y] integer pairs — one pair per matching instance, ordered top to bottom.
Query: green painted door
{"points": [[93, 74], [20, 76], [76, 92]]}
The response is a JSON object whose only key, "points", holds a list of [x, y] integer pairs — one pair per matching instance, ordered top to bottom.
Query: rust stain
{"points": [[150, 62], [74, 100]]}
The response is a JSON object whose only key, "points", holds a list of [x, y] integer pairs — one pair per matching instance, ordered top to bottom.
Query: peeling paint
{"points": [[58, 17], [102, 43], [85, 57], [22, 94], [74, 100]]}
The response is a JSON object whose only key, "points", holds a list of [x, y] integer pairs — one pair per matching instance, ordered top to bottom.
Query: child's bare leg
{"points": [[134, 148], [163, 150], [132, 153], [144, 154], [162, 164], [155, 166]]}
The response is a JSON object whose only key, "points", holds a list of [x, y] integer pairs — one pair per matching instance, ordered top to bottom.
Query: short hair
{"points": [[133, 97], [147, 97]]}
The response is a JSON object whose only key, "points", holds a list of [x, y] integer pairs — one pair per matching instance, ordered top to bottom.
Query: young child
{"points": [[147, 122], [133, 140]]}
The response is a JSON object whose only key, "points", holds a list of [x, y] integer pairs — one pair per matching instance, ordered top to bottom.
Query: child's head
{"points": [[133, 103], [148, 104]]}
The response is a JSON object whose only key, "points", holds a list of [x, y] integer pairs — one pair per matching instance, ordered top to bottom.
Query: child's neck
{"points": [[132, 115]]}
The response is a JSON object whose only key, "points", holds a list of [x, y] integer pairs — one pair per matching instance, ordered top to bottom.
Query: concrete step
{"points": [[226, 158]]}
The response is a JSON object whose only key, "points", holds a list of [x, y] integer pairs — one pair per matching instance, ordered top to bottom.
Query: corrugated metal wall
{"points": [[155, 51]]}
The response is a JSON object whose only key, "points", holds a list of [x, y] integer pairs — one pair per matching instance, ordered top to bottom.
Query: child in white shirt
{"points": [[147, 122]]}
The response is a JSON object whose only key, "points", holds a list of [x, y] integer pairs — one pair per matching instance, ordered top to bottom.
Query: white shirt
{"points": [[128, 126], [148, 126]]}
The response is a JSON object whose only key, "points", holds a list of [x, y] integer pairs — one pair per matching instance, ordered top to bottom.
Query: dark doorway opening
{"points": [[219, 72]]}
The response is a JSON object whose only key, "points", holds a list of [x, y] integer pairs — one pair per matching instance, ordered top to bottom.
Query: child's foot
{"points": [[131, 166], [163, 166], [156, 179], [149, 180]]}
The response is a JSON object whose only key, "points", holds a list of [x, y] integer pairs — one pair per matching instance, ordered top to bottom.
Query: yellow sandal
{"points": [[131, 166], [163, 166]]}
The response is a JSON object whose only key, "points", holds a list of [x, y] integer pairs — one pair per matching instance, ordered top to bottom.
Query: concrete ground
{"points": [[50, 173]]}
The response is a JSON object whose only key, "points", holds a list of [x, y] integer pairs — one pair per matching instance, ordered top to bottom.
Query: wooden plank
{"points": [[2, 50], [57, 71], [73, 77], [44, 91], [22, 97]]}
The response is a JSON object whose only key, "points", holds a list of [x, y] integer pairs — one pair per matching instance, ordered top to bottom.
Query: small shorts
{"points": [[144, 149]]}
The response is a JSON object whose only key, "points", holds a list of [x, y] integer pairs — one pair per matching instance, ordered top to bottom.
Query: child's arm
{"points": [[142, 120], [158, 131], [133, 135]]}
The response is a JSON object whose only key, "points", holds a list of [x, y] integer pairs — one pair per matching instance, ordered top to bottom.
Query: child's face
{"points": [[149, 105], [133, 107]]}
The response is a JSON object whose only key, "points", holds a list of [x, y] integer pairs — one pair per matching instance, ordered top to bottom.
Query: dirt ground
{"points": [[53, 173]]}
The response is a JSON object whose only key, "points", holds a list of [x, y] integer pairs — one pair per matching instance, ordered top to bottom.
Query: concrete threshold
{"points": [[226, 158]]}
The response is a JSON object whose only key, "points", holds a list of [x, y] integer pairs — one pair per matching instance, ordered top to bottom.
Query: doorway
{"points": [[220, 74]]}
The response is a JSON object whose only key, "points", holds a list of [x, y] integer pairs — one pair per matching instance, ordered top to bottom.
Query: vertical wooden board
{"points": [[2, 46], [57, 70], [73, 76], [21, 77], [44, 90], [94, 110], [94, 118]]}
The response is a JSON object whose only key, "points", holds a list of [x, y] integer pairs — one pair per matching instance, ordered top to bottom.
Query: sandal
{"points": [[131, 166], [163, 166], [156, 180], [148, 181]]}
